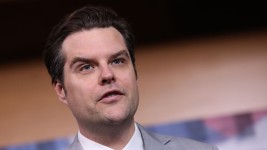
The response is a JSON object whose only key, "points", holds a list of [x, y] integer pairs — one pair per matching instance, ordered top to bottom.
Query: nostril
{"points": [[106, 75], [107, 80]]}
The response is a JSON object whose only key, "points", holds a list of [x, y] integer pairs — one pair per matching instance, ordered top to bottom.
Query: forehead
{"points": [[93, 42]]}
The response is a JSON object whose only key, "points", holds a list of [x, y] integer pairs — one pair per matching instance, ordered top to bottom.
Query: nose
{"points": [[106, 75]]}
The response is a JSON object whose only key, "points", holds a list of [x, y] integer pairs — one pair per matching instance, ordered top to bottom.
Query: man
{"points": [[90, 57]]}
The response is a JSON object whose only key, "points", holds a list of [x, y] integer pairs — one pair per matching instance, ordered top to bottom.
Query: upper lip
{"points": [[114, 91]]}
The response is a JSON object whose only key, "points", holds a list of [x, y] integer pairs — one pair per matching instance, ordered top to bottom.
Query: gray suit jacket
{"points": [[153, 141]]}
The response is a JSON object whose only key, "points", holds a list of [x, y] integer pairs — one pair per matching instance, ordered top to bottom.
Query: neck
{"points": [[115, 136]]}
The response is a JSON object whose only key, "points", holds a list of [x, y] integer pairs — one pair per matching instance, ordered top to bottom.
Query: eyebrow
{"points": [[122, 52], [79, 59], [82, 59]]}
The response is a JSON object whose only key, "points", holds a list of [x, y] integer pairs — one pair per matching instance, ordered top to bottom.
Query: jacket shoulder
{"points": [[155, 141], [183, 143], [189, 144]]}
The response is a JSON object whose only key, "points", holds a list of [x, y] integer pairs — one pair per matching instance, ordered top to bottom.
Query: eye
{"points": [[118, 61], [86, 67]]}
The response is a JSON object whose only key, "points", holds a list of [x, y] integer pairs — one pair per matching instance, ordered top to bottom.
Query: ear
{"points": [[60, 92]]}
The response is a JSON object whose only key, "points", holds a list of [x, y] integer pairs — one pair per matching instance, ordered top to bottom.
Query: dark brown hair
{"points": [[84, 18]]}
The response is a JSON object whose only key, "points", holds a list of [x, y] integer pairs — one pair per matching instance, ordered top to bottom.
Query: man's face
{"points": [[99, 80]]}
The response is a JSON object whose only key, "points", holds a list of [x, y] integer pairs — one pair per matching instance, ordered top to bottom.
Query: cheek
{"points": [[129, 75], [130, 82], [79, 90], [81, 99]]}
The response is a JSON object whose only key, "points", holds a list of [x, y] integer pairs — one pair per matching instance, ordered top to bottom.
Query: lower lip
{"points": [[111, 99]]}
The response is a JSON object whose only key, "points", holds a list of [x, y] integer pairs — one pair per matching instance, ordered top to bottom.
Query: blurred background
{"points": [[202, 68]]}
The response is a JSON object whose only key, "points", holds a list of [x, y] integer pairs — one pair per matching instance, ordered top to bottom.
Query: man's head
{"points": [[85, 18], [90, 58]]}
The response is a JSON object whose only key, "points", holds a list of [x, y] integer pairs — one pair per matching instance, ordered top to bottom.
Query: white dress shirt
{"points": [[135, 143]]}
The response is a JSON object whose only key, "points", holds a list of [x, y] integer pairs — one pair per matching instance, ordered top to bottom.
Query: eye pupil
{"points": [[118, 61], [87, 67]]}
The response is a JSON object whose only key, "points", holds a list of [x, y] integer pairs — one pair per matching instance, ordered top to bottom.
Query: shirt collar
{"points": [[135, 143]]}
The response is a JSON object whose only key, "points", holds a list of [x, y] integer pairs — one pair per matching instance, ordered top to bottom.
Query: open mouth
{"points": [[111, 94]]}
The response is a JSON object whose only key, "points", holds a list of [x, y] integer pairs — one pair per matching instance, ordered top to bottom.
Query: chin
{"points": [[119, 118]]}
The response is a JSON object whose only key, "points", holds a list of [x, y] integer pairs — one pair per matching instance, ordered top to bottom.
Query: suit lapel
{"points": [[153, 141]]}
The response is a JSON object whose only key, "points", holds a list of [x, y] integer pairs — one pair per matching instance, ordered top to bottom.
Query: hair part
{"points": [[85, 18]]}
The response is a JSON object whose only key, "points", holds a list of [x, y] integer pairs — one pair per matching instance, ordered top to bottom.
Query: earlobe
{"points": [[60, 92]]}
